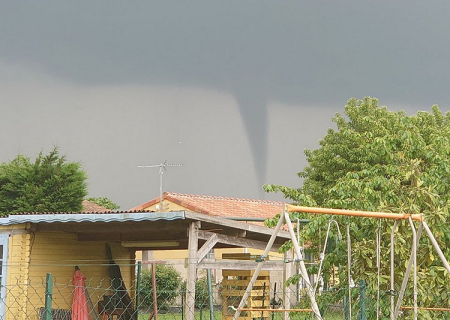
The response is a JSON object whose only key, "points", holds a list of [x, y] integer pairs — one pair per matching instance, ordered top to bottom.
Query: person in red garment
{"points": [[80, 308]]}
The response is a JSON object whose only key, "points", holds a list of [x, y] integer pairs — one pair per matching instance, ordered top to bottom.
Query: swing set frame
{"points": [[394, 307]]}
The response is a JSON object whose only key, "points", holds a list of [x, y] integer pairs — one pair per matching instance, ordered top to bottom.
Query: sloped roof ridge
{"points": [[189, 195]]}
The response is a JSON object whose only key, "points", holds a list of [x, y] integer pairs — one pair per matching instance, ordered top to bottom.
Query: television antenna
{"points": [[162, 167]]}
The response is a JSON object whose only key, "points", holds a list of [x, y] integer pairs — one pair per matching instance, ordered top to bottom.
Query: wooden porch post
{"points": [[192, 270]]}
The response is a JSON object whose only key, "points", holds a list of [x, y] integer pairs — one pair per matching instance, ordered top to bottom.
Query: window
{"points": [[3, 267]]}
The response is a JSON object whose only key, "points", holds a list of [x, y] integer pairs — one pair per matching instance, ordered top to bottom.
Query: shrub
{"points": [[168, 281], [201, 292]]}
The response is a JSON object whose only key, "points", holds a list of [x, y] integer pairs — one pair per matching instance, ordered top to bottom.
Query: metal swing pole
{"points": [[355, 213], [423, 225], [436, 246], [378, 248], [414, 252], [322, 256], [392, 269], [303, 271], [349, 274], [401, 294]]}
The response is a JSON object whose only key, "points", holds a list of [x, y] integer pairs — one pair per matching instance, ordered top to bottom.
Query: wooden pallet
{"points": [[235, 283]]}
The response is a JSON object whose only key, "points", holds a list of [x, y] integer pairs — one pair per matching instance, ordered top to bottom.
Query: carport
{"points": [[143, 230]]}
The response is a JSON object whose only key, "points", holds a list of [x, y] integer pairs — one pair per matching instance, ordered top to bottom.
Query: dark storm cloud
{"points": [[294, 51], [309, 53]]}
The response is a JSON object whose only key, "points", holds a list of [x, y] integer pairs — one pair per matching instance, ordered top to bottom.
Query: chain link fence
{"points": [[216, 298]]}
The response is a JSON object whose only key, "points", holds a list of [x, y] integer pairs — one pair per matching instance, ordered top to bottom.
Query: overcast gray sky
{"points": [[234, 90]]}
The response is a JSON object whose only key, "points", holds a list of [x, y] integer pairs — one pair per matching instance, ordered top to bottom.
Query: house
{"points": [[89, 206], [251, 211], [33, 245]]}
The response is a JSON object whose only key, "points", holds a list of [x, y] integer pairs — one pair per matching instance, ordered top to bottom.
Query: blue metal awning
{"points": [[91, 217]]}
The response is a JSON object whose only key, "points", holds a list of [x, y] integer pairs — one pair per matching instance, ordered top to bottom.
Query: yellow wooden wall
{"points": [[167, 205], [32, 256], [17, 276]]}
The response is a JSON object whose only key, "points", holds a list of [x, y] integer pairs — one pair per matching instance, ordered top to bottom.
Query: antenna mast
{"points": [[162, 167]]}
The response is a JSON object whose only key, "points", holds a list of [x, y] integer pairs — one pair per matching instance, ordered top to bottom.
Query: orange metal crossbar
{"points": [[354, 213], [425, 308], [276, 310]]}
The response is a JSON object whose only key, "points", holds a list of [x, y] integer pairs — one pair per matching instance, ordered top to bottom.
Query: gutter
{"points": [[302, 221]]}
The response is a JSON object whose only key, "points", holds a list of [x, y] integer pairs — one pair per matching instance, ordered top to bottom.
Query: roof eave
{"points": [[91, 217]]}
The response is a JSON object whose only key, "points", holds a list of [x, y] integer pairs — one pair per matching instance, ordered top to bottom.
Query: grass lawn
{"points": [[178, 316], [218, 316]]}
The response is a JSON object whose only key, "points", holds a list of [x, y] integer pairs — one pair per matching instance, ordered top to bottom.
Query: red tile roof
{"points": [[221, 206], [88, 207], [92, 207]]}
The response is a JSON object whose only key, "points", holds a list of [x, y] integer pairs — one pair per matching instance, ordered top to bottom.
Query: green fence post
{"points": [[138, 288], [183, 295], [48, 297], [362, 301], [346, 306]]}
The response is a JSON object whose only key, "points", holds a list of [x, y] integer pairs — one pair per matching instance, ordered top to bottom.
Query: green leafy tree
{"points": [[380, 160], [50, 184], [105, 202]]}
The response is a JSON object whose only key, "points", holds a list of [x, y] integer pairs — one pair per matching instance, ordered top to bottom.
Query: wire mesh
{"points": [[270, 299]]}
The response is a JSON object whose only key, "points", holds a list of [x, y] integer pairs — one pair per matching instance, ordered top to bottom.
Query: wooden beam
{"points": [[236, 224], [241, 233], [127, 236], [238, 242], [207, 246], [220, 264], [192, 269]]}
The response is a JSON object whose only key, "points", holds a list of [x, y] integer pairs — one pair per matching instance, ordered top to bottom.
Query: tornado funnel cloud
{"points": [[254, 114]]}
